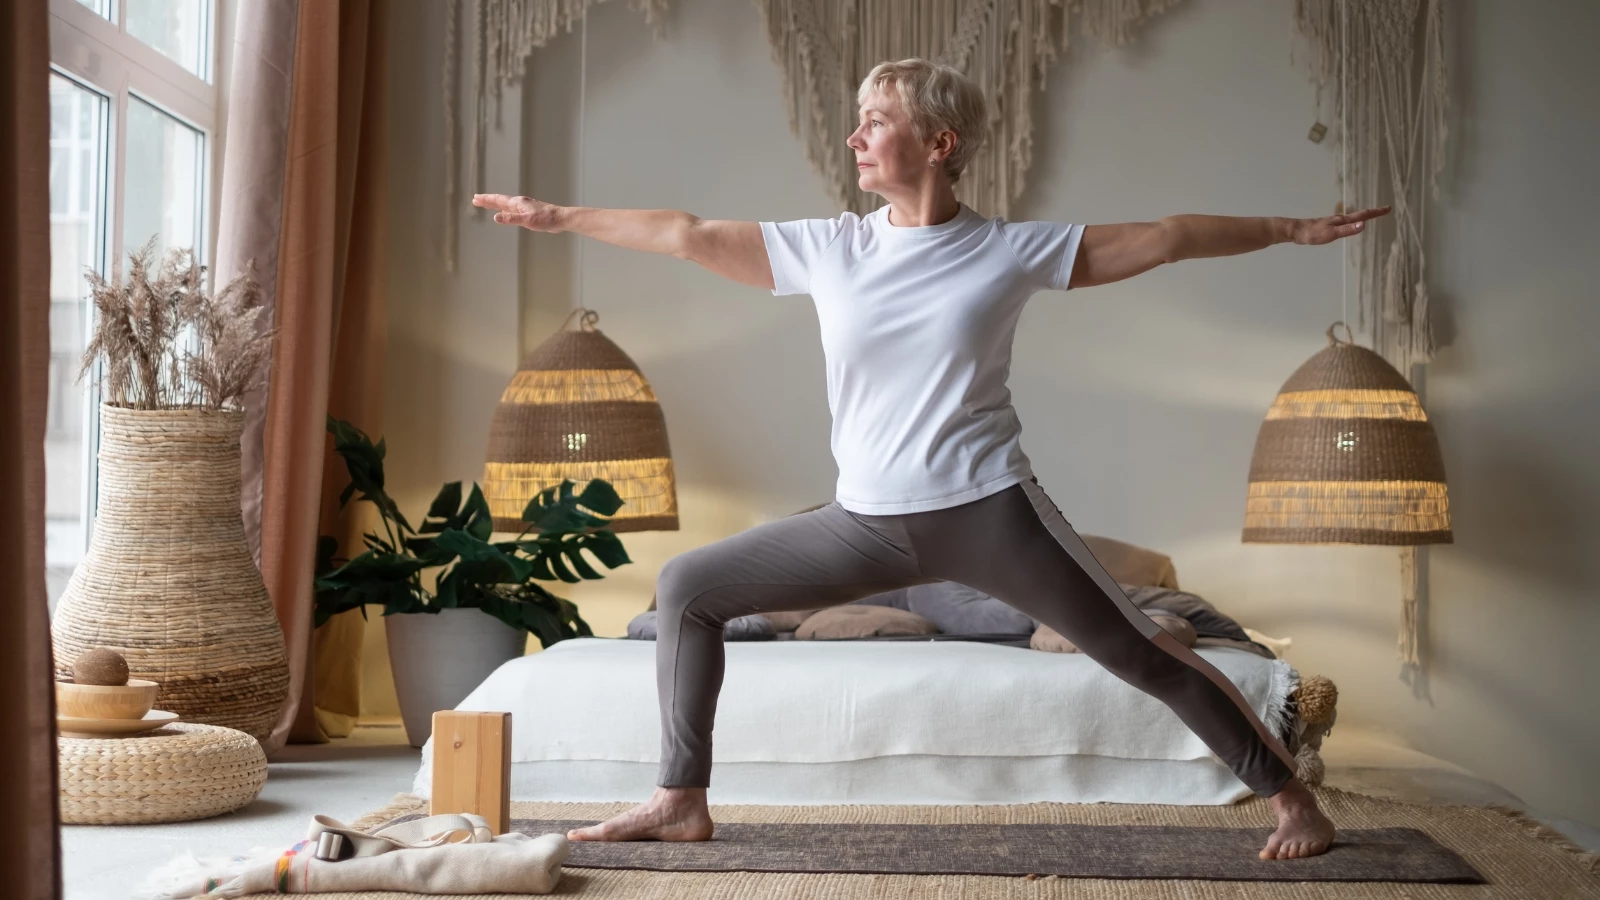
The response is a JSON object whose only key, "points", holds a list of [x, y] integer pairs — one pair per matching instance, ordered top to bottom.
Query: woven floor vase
{"points": [[168, 581]]}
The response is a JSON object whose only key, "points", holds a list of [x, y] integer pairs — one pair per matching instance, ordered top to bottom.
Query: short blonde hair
{"points": [[935, 97]]}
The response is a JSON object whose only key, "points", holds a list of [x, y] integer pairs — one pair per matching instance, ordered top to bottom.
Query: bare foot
{"points": [[671, 814], [1302, 828]]}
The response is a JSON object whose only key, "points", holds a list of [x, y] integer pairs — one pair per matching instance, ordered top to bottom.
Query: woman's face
{"points": [[888, 152]]}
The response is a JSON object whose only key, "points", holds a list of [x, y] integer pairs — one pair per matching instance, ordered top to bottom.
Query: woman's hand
{"points": [[526, 212], [1331, 228], [734, 250], [1111, 253]]}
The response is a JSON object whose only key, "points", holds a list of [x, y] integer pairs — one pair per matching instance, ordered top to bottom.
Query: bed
{"points": [[948, 718], [881, 722]]}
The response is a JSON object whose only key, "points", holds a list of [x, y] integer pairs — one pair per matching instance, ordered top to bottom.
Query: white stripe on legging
{"points": [[1062, 531]]}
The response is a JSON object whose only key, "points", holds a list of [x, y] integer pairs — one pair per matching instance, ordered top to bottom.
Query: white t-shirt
{"points": [[917, 325]]}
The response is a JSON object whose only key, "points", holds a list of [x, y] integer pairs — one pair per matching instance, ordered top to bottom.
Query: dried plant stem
{"points": [[164, 342]]}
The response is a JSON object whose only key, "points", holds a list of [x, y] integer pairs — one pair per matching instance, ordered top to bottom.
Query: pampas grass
{"points": [[162, 341]]}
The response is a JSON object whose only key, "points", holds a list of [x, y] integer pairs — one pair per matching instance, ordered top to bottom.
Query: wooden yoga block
{"points": [[472, 765]]}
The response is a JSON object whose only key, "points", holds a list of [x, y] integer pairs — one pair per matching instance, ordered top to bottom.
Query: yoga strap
{"points": [[336, 840]]}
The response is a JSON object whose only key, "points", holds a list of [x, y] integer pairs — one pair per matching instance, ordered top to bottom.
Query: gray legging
{"points": [[1014, 545]]}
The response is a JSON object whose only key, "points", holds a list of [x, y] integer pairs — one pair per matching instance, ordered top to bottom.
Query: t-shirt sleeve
{"points": [[793, 248], [1045, 250]]}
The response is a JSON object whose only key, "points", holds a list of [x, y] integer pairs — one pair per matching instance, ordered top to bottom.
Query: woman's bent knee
{"points": [[684, 577]]}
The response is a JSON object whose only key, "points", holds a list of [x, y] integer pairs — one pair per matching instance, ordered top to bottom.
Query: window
{"points": [[134, 112]]}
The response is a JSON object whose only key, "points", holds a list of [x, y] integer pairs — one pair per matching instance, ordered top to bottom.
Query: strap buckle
{"points": [[332, 847]]}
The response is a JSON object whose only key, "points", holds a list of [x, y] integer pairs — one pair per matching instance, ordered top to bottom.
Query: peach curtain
{"points": [[319, 138], [29, 839]]}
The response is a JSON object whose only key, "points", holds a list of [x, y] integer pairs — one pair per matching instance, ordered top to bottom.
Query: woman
{"points": [[918, 303]]}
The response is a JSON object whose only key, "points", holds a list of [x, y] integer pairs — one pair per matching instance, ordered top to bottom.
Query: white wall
{"points": [[452, 337], [1141, 400]]}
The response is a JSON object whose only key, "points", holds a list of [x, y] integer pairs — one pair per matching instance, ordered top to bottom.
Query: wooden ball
{"points": [[100, 666]]}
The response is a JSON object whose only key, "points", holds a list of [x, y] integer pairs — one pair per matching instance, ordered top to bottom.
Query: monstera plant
{"points": [[448, 566]]}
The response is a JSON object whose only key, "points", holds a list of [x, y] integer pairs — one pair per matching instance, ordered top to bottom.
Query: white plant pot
{"points": [[437, 660]]}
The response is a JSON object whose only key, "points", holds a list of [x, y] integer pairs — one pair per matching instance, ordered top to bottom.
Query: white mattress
{"points": [[868, 722]]}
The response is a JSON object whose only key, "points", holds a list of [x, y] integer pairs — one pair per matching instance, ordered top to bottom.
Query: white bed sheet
{"points": [[868, 722]]}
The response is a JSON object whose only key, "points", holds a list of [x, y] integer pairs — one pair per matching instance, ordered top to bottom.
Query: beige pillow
{"points": [[1131, 564], [787, 621], [862, 621], [1178, 627], [1048, 639]]}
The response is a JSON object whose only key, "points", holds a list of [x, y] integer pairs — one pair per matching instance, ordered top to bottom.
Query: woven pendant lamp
{"points": [[579, 408], [1347, 455]]}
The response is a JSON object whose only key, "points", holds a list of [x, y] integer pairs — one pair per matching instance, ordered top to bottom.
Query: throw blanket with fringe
{"points": [[825, 701]]}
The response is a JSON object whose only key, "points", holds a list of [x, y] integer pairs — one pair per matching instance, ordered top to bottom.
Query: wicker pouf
{"points": [[180, 772]]}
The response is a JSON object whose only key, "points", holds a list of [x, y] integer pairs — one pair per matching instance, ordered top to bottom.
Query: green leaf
{"points": [[364, 461], [601, 497], [536, 503], [444, 507], [393, 511], [549, 515], [480, 523], [607, 548], [327, 549], [575, 554], [483, 563], [375, 566], [541, 567], [561, 570], [533, 592], [446, 595], [334, 596], [544, 625]]}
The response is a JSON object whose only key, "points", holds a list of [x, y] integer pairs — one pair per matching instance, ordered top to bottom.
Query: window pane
{"points": [[102, 8], [177, 28], [78, 136], [161, 193]]}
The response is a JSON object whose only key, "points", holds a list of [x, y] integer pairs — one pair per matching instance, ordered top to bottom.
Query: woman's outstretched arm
{"points": [[734, 250], [1114, 252]]}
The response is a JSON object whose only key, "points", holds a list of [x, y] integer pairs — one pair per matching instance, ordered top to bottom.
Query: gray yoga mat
{"points": [[1081, 851]]}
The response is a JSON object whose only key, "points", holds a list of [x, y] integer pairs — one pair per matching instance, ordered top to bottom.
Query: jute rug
{"points": [[1516, 856]]}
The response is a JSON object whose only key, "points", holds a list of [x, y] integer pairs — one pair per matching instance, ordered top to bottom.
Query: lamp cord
{"points": [[583, 84], [1344, 159]]}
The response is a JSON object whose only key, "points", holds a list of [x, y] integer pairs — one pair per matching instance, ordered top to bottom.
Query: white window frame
{"points": [[99, 54]]}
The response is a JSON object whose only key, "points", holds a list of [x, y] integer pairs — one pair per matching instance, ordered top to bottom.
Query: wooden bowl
{"points": [[104, 701], [104, 728]]}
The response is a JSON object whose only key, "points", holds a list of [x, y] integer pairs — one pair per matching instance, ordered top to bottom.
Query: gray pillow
{"points": [[956, 609], [1207, 620], [744, 628]]}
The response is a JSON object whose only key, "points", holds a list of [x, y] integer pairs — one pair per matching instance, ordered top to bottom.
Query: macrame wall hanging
{"points": [[504, 32], [826, 47], [1391, 146]]}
